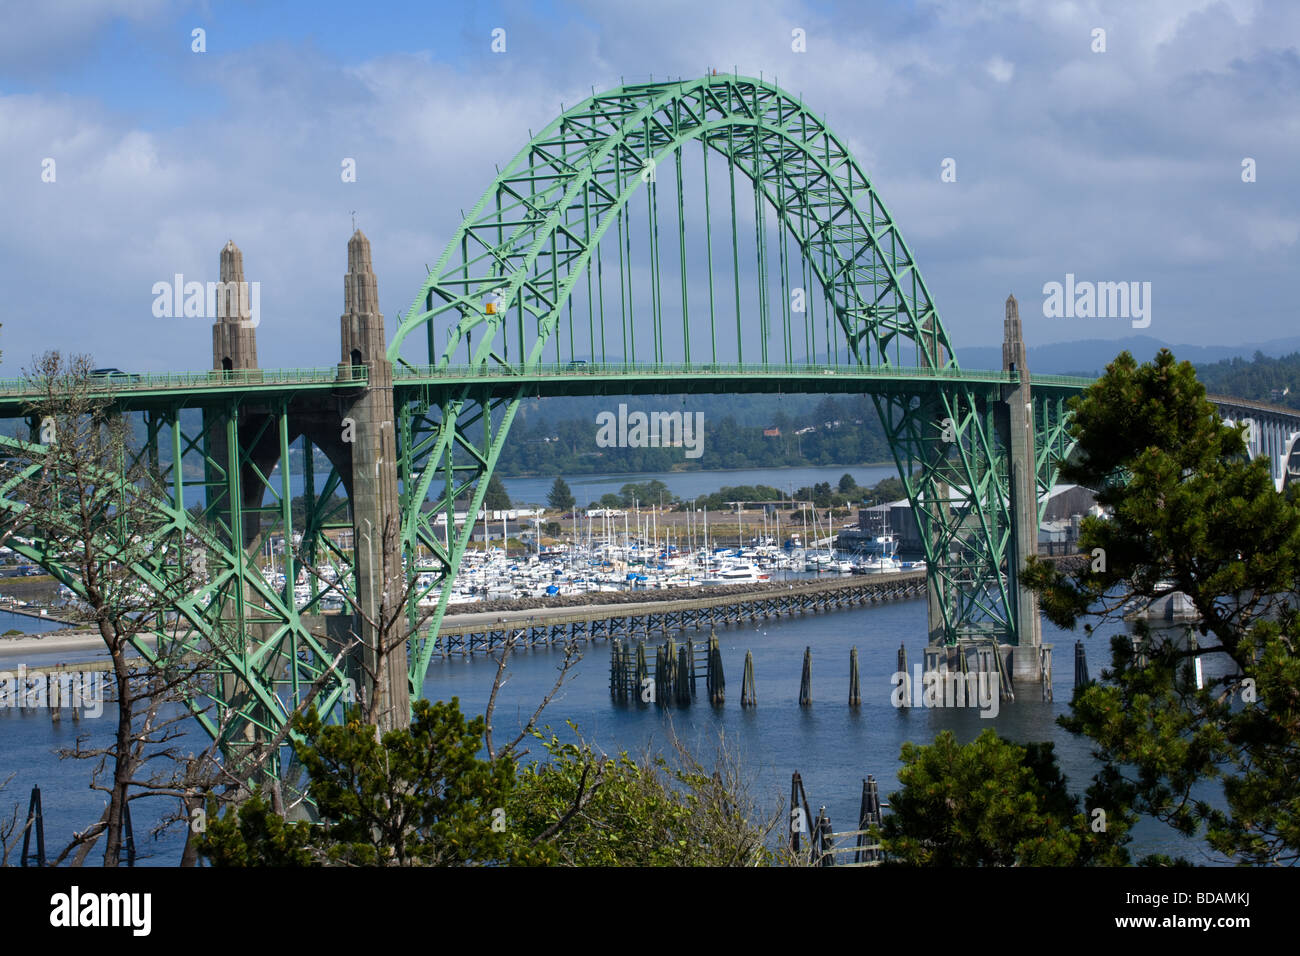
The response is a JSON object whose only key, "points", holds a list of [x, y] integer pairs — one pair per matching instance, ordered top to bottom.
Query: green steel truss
{"points": [[613, 255], [503, 295], [263, 654]]}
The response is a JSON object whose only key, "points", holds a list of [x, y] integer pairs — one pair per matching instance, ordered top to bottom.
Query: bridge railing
{"points": [[606, 369], [215, 378], [1074, 380]]}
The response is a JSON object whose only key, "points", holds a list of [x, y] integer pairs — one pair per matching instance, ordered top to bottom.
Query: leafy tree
{"points": [[847, 484], [560, 497], [496, 498], [1188, 513], [418, 796], [992, 803], [598, 810]]}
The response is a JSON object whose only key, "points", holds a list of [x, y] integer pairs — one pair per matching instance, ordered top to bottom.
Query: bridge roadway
{"points": [[590, 378]]}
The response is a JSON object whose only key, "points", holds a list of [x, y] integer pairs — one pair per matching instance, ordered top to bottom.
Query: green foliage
{"points": [[1262, 378], [845, 430], [560, 497], [496, 499], [1192, 516], [419, 796], [424, 796], [992, 803], [623, 812], [255, 836]]}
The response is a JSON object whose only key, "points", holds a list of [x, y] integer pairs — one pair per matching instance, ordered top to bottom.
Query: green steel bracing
{"points": [[534, 232], [596, 263], [262, 658]]}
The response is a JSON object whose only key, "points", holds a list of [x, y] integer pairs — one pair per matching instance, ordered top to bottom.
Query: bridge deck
{"points": [[575, 378]]}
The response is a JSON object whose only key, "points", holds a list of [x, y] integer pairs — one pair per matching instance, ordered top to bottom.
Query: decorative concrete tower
{"points": [[234, 339], [1024, 492], [376, 509]]}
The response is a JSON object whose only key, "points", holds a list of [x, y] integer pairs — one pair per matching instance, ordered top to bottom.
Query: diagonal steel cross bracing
{"points": [[665, 238], [501, 295]]}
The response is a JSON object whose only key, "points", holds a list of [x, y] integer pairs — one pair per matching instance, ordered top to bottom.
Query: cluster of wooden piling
{"points": [[675, 677], [673, 680], [824, 845]]}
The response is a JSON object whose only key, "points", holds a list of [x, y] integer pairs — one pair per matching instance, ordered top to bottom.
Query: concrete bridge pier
{"points": [[1018, 421], [369, 427]]}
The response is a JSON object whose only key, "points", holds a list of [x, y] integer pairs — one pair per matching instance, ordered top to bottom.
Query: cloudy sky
{"points": [[1122, 165]]}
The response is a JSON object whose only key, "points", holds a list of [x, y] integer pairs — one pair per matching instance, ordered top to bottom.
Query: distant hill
{"points": [[1091, 356]]}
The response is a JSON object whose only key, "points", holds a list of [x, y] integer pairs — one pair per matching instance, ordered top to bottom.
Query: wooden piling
{"points": [[1080, 666], [642, 671], [907, 678], [683, 681], [716, 681], [805, 682], [855, 685], [748, 693], [868, 816], [35, 824], [128, 835], [825, 843]]}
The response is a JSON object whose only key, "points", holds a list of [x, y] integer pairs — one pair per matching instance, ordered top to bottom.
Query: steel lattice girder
{"points": [[532, 234], [261, 659]]}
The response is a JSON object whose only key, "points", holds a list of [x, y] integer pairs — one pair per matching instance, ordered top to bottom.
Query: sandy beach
{"points": [[50, 643]]}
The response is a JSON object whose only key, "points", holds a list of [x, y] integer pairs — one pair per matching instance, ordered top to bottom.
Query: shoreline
{"points": [[702, 471], [36, 614], [49, 643]]}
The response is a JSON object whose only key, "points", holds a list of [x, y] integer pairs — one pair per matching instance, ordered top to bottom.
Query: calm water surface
{"points": [[832, 746]]}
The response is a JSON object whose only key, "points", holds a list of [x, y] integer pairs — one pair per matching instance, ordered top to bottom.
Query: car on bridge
{"points": [[116, 375]]}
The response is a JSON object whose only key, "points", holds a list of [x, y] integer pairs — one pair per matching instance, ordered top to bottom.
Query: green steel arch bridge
{"points": [[711, 235]]}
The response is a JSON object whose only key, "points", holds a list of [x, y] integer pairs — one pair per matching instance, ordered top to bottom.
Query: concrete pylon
{"points": [[234, 339], [1019, 441], [376, 511]]}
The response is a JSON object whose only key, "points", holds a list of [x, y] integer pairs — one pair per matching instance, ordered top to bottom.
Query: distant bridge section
{"points": [[1271, 430]]}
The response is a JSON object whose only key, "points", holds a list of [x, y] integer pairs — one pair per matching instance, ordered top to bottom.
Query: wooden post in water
{"points": [[690, 657], [1080, 666], [642, 671], [662, 678], [907, 678], [716, 681], [683, 682], [805, 682], [616, 683], [855, 685], [748, 693], [868, 816], [797, 819], [35, 823], [128, 835], [825, 844]]}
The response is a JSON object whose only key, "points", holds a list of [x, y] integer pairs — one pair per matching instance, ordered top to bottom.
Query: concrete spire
{"points": [[232, 262], [360, 285], [234, 339], [1014, 355]]}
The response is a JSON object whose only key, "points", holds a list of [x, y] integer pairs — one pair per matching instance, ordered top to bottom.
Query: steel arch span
{"points": [[505, 287]]}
